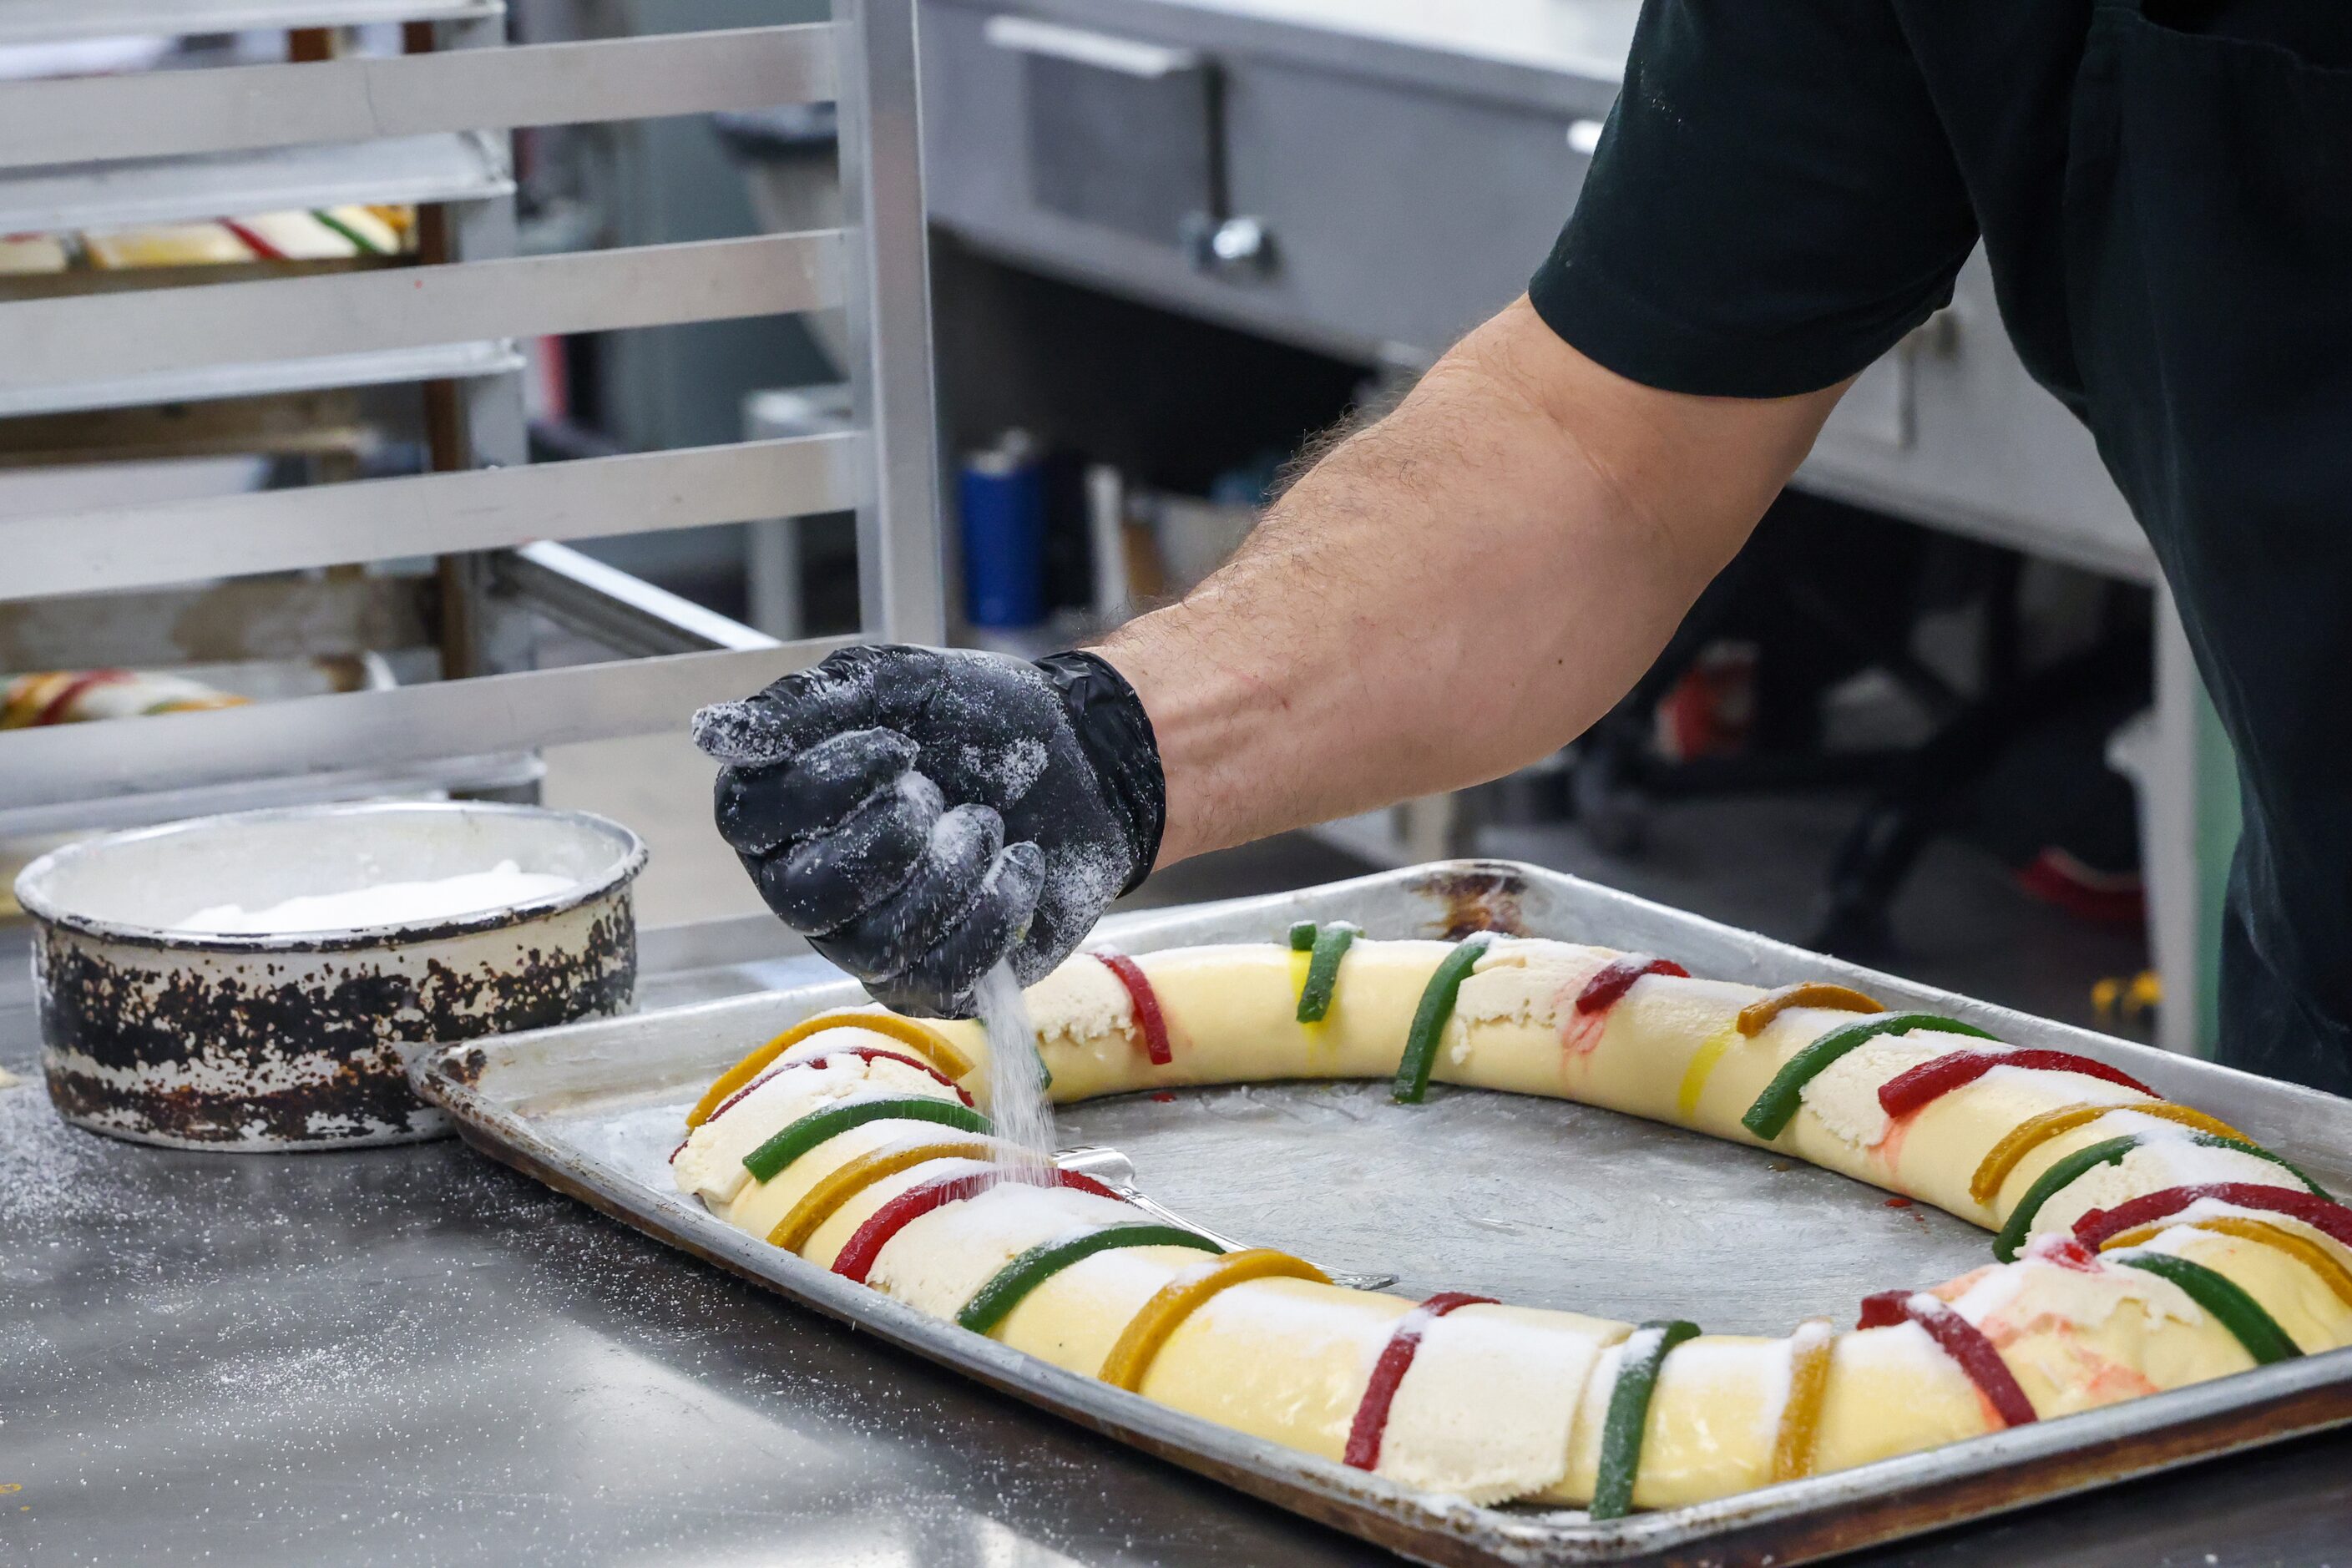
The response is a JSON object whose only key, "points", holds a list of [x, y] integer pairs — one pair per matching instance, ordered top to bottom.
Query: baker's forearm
{"points": [[1453, 591]]}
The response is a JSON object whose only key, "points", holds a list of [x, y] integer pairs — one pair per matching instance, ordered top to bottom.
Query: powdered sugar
{"points": [[744, 732], [1008, 770], [1081, 879], [384, 904], [1016, 1073]]}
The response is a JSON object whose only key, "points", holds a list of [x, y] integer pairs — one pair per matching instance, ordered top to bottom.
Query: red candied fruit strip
{"points": [[254, 240], [58, 707], [1617, 977], [1149, 1019], [866, 1053], [1931, 1081], [2331, 1219], [858, 1258], [1956, 1338], [1371, 1421]]}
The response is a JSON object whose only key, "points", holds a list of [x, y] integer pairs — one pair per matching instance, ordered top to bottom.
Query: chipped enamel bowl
{"points": [[284, 1040]]}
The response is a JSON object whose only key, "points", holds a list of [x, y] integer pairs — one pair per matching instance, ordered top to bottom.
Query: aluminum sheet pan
{"points": [[1539, 1202]]}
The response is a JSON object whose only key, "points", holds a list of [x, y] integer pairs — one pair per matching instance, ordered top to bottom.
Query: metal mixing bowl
{"points": [[287, 1040]]}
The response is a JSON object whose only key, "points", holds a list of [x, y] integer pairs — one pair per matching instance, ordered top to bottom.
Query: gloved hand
{"points": [[919, 814]]}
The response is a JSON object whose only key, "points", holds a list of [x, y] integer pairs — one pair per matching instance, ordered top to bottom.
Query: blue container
{"points": [[1001, 493]]}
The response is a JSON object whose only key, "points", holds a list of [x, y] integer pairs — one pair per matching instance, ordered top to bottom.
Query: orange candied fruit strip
{"points": [[1757, 1015], [928, 1043], [2030, 1134], [852, 1177], [2304, 1250], [1148, 1331], [1809, 1383]]}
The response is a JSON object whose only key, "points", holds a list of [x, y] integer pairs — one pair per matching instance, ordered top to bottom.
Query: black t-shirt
{"points": [[1786, 188], [2164, 190]]}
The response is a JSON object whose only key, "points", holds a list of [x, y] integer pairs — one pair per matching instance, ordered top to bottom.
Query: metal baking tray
{"points": [[1537, 1202]]}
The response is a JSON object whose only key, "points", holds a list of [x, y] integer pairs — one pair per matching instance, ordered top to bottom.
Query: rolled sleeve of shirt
{"points": [[1774, 202]]}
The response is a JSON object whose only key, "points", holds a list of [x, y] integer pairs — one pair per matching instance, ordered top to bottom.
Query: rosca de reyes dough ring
{"points": [[2140, 1245]]}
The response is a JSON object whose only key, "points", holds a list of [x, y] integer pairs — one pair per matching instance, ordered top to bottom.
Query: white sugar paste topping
{"points": [[1527, 981], [1080, 1003], [2039, 1088], [1843, 1095], [2155, 1128], [2166, 1161], [710, 1166], [2216, 1209], [939, 1260], [2013, 1296], [1905, 1344], [1447, 1431]]}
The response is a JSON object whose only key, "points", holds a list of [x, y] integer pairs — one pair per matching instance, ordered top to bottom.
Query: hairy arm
{"points": [[1455, 591]]}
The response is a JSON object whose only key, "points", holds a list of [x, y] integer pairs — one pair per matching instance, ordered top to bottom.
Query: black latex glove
{"points": [[920, 814]]}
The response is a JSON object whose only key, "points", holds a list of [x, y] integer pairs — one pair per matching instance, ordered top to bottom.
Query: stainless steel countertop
{"points": [[413, 1355]]}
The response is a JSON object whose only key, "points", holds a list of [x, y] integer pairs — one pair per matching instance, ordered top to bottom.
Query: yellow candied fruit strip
{"points": [[29, 696], [212, 703], [1757, 1016], [929, 1044], [1702, 1068], [2032, 1133], [853, 1177], [2304, 1250], [1130, 1358], [1800, 1418]]}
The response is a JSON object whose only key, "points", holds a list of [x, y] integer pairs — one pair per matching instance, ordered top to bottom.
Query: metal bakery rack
{"points": [[469, 557]]}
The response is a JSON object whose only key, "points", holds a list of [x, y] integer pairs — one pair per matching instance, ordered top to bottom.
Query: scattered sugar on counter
{"points": [[384, 904]]}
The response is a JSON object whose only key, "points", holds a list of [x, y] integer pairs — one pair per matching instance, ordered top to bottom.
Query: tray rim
{"points": [[1790, 1522]]}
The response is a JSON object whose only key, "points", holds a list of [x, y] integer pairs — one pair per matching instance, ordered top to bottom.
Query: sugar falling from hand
{"points": [[1016, 1073]]}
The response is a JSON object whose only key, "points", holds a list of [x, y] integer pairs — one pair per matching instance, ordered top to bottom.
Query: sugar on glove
{"points": [[920, 814]]}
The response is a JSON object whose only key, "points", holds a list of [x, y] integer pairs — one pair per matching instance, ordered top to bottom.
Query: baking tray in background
{"points": [[28, 833], [1540, 1202]]}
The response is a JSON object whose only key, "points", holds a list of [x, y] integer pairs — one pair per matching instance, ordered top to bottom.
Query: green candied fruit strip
{"points": [[359, 242], [1302, 936], [1331, 944], [1429, 1019], [1777, 1106], [797, 1138], [2215, 1141], [2090, 1157], [1010, 1285], [2223, 1297], [1628, 1415]]}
